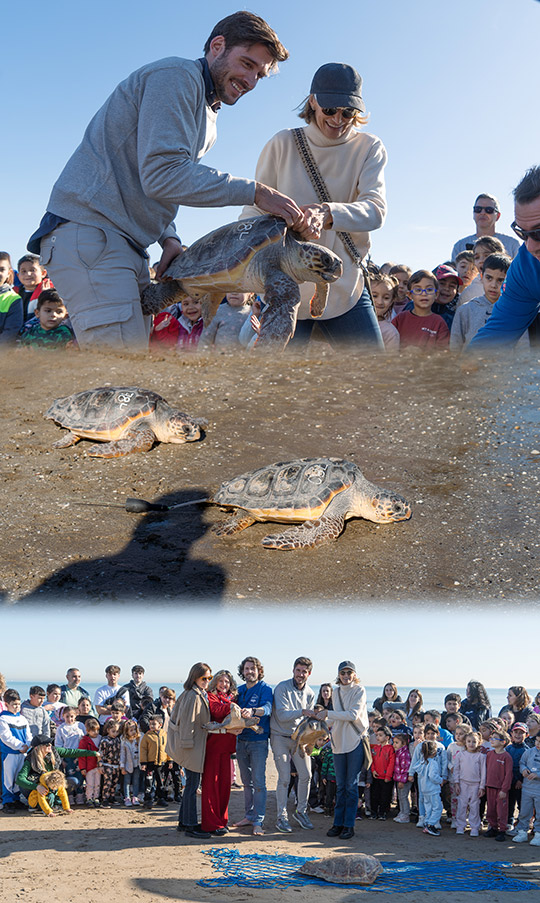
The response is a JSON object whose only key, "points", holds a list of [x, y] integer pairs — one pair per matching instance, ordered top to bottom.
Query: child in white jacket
{"points": [[429, 768]]}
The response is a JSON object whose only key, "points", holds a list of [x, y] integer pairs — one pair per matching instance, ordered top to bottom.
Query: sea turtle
{"points": [[259, 254], [126, 418], [318, 493], [234, 722], [307, 734], [347, 868]]}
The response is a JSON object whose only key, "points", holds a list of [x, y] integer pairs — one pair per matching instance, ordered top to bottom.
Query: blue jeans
{"points": [[358, 328], [251, 756], [347, 767], [133, 782], [188, 807]]}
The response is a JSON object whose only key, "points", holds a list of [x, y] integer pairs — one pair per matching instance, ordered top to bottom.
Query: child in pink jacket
{"points": [[401, 777], [469, 779]]}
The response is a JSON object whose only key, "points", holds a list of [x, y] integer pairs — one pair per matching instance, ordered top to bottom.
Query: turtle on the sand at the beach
{"points": [[260, 255], [126, 418], [319, 494], [234, 722], [307, 734], [345, 868]]}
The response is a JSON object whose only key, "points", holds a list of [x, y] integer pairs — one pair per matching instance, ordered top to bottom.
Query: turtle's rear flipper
{"points": [[159, 295], [278, 322], [67, 441], [134, 441], [234, 525], [307, 535]]}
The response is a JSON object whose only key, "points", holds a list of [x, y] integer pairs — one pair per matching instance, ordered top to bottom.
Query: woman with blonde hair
{"points": [[335, 174], [348, 722]]}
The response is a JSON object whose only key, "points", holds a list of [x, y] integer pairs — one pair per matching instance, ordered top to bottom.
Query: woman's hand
{"points": [[318, 217]]}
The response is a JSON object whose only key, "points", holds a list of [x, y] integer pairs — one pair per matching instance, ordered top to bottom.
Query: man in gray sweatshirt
{"points": [[137, 163], [292, 699]]}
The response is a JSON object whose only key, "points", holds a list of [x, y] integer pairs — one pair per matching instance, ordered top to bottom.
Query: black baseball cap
{"points": [[338, 85]]}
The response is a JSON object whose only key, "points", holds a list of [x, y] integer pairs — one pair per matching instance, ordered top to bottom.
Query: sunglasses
{"points": [[346, 112], [478, 209], [524, 234], [346, 672], [206, 678]]}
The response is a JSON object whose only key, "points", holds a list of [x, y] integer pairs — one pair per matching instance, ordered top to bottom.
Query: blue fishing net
{"points": [[277, 870]]}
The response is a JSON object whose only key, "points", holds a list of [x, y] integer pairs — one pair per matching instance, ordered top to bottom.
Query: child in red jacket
{"points": [[89, 765], [499, 768], [382, 770]]}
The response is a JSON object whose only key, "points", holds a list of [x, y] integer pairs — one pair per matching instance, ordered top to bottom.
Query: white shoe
{"points": [[127, 801], [318, 809], [402, 819], [421, 822], [460, 831], [474, 834], [521, 837], [535, 842]]}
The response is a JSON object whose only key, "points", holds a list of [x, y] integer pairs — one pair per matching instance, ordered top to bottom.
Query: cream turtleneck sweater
{"points": [[352, 167]]}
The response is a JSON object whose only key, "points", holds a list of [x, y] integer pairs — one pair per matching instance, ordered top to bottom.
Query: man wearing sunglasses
{"points": [[486, 212], [519, 304]]}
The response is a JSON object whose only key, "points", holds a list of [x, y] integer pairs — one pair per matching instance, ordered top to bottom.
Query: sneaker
{"points": [[127, 801], [135, 801], [90, 803], [162, 803], [96, 804], [105, 804], [318, 809], [383, 817], [402, 819], [302, 820], [421, 822], [283, 825], [431, 829], [334, 831], [460, 831], [511, 831], [491, 832], [347, 833], [474, 834], [501, 836], [521, 837], [535, 842]]}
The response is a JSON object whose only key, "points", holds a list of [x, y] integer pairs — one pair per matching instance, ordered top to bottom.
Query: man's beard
{"points": [[220, 77]]}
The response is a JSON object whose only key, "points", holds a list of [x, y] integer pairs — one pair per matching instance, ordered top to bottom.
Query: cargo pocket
{"points": [[46, 249], [104, 315]]}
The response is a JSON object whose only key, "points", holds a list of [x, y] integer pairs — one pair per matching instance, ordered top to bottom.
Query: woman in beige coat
{"points": [[186, 741]]}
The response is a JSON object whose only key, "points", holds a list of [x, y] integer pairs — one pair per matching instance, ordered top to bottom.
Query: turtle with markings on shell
{"points": [[259, 254], [126, 418], [319, 494], [234, 722], [307, 734], [347, 868]]}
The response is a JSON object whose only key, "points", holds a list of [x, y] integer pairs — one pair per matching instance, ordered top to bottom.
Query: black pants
{"points": [[155, 778], [381, 796]]}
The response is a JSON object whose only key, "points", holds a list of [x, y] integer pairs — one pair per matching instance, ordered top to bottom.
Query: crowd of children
{"points": [[429, 309], [479, 769]]}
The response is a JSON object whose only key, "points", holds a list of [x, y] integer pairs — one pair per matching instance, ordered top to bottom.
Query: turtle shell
{"points": [[224, 253], [104, 413], [288, 490], [348, 868]]}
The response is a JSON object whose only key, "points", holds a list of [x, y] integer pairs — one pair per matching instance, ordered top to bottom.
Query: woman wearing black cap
{"points": [[335, 174], [348, 723], [41, 758]]}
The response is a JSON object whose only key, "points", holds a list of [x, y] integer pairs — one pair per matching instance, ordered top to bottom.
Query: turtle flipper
{"points": [[160, 295], [317, 305], [209, 306], [279, 320], [67, 441], [133, 441], [235, 524], [307, 535]]}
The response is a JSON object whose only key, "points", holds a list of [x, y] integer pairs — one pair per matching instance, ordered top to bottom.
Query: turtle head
{"points": [[316, 264], [180, 428], [384, 507]]}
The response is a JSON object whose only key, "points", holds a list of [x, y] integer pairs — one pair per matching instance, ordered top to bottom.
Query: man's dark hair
{"points": [[244, 29], [529, 188], [27, 258], [496, 262], [306, 662], [258, 664], [51, 687], [11, 695], [452, 697]]}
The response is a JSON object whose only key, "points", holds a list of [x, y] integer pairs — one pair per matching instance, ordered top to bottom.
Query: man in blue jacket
{"points": [[519, 303], [254, 698]]}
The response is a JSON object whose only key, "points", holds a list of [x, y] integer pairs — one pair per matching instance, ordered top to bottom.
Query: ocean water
{"points": [[433, 696]]}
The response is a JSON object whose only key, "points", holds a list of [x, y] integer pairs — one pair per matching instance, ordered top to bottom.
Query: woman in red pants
{"points": [[216, 779]]}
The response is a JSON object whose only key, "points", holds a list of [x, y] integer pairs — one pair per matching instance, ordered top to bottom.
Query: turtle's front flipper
{"points": [[160, 295], [317, 305], [209, 306], [278, 322], [67, 441], [133, 441], [235, 524], [307, 535]]}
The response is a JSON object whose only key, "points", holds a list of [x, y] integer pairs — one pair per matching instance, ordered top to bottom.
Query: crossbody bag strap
{"points": [[321, 191], [353, 725]]}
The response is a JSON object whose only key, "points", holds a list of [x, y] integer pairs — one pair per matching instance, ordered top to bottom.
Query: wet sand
{"points": [[460, 442]]}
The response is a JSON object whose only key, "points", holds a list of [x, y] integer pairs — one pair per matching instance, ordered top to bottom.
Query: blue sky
{"points": [[451, 89], [413, 645]]}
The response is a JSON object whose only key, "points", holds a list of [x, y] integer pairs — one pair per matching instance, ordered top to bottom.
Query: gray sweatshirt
{"points": [[139, 157], [287, 707], [37, 718]]}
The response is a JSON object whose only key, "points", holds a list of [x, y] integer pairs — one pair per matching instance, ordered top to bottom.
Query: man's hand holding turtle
{"points": [[272, 201], [172, 247]]}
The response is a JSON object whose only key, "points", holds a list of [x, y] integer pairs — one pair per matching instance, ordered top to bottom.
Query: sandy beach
{"points": [[459, 442], [125, 855]]}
